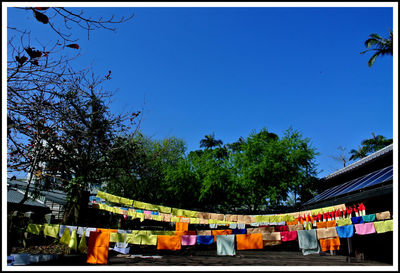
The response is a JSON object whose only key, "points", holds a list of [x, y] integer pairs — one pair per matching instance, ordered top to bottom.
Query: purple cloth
{"points": [[188, 240]]}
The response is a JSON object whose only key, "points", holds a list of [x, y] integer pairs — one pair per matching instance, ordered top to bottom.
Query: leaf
{"points": [[41, 17], [76, 46]]}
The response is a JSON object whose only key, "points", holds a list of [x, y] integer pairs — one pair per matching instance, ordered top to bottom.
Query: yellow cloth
{"points": [[101, 195], [114, 198], [126, 202], [139, 205], [102, 206], [149, 206], [108, 208], [164, 209], [328, 209], [117, 210], [177, 212], [132, 213], [190, 213], [140, 216], [157, 218], [174, 219], [194, 221], [204, 221], [343, 222], [308, 226], [383, 226], [34, 228], [51, 230], [66, 237], [117, 237], [134, 239], [148, 240], [73, 242], [82, 244]]}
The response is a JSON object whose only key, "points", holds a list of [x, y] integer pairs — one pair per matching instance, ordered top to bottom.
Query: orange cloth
{"points": [[292, 223], [326, 224], [180, 226], [106, 230], [220, 232], [249, 241], [169, 242], [330, 244], [97, 252]]}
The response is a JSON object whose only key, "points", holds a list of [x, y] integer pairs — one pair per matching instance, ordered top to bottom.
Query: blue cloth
{"points": [[124, 208], [154, 212], [368, 218], [357, 220], [239, 231], [345, 231], [205, 239]]}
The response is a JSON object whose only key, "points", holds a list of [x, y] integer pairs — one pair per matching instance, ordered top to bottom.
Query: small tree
{"points": [[380, 46]]}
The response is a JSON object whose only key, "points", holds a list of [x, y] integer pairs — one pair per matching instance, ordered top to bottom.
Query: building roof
{"points": [[361, 162], [15, 196]]}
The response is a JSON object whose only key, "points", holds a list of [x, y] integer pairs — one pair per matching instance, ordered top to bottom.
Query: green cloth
{"points": [[164, 209], [190, 213], [157, 217], [368, 218], [174, 219], [344, 222], [383, 226], [34, 228], [51, 230], [163, 232], [117, 237], [133, 239], [82, 244], [226, 245]]}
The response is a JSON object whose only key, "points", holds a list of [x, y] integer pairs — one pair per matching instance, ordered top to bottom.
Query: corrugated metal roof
{"points": [[361, 162], [14, 196]]}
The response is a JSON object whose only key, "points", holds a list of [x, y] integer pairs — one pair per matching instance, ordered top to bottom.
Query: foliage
{"points": [[381, 46], [209, 141], [369, 146]]}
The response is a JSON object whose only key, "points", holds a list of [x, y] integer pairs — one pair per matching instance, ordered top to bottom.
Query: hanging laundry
{"points": [[383, 215], [368, 218], [194, 220], [357, 220], [344, 222], [326, 224], [213, 225], [233, 225], [180, 226], [241, 226], [383, 226], [295, 227], [281, 228], [365, 228], [34, 229], [51, 230], [239, 231], [345, 231], [204, 232], [220, 232], [325, 233], [287, 236], [66, 237], [205, 239], [271, 239], [150, 240], [188, 240], [249, 241], [73, 242], [168, 242], [308, 242], [82, 244], [330, 244], [226, 245], [97, 252]]}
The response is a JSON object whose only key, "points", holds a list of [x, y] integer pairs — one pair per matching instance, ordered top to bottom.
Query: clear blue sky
{"points": [[232, 70]]}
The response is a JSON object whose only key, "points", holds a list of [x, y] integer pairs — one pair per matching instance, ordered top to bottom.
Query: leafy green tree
{"points": [[380, 46], [209, 141], [369, 146]]}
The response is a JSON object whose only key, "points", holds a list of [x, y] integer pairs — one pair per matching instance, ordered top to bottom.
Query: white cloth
{"points": [[213, 225], [233, 226], [241, 226]]}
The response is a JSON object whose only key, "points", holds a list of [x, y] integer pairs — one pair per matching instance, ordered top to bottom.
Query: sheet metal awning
{"points": [[363, 182]]}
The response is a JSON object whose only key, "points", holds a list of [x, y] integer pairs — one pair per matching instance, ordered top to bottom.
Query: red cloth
{"points": [[281, 228], [288, 235], [97, 252]]}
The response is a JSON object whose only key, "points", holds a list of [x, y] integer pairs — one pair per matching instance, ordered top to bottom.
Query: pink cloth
{"points": [[147, 212], [365, 228], [288, 235], [188, 240]]}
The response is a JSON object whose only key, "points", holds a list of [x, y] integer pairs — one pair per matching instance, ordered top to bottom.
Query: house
{"points": [[368, 181]]}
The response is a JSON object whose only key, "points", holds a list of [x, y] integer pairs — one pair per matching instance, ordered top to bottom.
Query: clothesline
{"points": [[169, 214]]}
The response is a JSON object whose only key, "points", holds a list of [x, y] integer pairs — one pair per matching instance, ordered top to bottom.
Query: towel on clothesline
{"points": [[368, 218], [383, 226], [365, 228], [345, 231], [287, 236], [205, 239], [188, 240], [249, 241], [308, 242], [226, 245]]}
